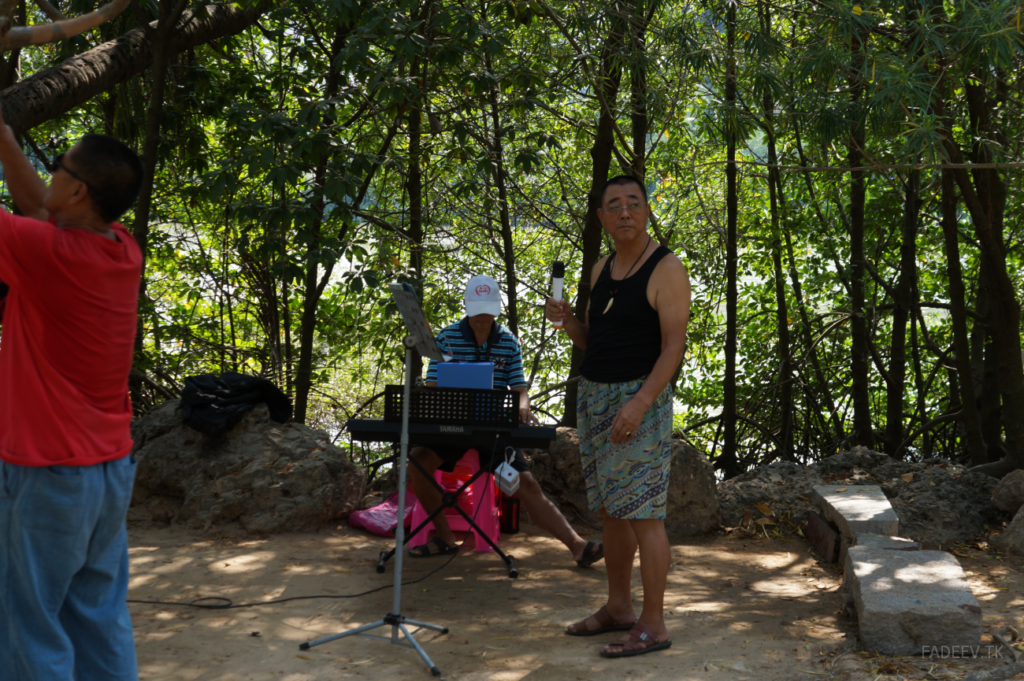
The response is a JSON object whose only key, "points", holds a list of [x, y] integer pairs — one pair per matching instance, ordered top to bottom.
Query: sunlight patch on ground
{"points": [[136, 553], [246, 562], [138, 581], [167, 671], [504, 675]]}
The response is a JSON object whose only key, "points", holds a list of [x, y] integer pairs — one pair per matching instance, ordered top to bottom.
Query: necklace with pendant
{"points": [[616, 290]]}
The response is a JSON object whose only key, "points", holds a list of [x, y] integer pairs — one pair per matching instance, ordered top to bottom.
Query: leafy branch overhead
{"points": [[59, 28]]}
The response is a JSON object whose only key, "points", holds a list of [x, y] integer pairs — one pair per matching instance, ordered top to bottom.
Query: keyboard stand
{"points": [[449, 500]]}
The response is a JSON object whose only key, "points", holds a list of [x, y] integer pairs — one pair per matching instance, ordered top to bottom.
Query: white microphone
{"points": [[557, 280]]}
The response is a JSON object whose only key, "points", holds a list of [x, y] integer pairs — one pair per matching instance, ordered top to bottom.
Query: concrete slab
{"points": [[856, 509], [877, 541], [908, 601]]}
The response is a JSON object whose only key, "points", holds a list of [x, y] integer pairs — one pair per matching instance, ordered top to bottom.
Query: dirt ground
{"points": [[738, 608]]}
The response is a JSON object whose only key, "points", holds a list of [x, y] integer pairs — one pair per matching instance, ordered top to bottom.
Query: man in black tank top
{"points": [[633, 331]]}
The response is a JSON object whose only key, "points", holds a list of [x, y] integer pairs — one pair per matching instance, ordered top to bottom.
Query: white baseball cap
{"points": [[482, 296]]}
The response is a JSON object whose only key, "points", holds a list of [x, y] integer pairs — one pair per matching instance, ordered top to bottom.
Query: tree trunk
{"points": [[170, 11], [57, 90], [638, 90], [601, 161], [498, 164], [414, 184], [984, 192], [313, 286], [958, 313], [900, 315], [782, 346], [862, 433], [727, 460]]}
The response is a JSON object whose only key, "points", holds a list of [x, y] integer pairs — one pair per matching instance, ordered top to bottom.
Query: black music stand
{"points": [[421, 338]]}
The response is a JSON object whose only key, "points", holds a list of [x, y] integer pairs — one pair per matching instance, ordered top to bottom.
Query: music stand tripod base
{"points": [[396, 622], [400, 634]]}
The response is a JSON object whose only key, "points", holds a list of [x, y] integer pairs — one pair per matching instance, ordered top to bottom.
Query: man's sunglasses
{"points": [[57, 163]]}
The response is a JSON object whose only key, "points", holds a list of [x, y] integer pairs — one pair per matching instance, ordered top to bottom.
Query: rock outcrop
{"points": [[560, 475], [265, 476], [938, 502], [693, 506]]}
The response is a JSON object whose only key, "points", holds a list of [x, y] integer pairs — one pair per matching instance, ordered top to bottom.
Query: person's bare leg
{"points": [[427, 494], [547, 516], [620, 544], [655, 557]]}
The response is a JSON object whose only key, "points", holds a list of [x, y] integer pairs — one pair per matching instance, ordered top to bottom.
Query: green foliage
{"points": [[285, 183]]}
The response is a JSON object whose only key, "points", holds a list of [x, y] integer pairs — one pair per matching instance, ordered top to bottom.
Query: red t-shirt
{"points": [[67, 343]]}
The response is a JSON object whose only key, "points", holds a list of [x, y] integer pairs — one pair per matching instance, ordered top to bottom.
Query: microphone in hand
{"points": [[557, 281]]}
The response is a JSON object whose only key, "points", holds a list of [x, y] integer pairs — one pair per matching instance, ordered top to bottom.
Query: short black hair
{"points": [[114, 172], [621, 180]]}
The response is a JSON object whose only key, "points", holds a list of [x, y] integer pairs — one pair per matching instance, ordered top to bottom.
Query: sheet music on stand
{"points": [[416, 321]]}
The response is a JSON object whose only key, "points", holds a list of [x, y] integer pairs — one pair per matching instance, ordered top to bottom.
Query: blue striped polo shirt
{"points": [[501, 347]]}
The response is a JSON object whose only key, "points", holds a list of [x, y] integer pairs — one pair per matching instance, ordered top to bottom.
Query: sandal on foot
{"points": [[424, 550], [592, 553], [605, 623], [641, 641]]}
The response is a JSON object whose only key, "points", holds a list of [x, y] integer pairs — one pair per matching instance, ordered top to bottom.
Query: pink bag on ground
{"points": [[382, 519]]}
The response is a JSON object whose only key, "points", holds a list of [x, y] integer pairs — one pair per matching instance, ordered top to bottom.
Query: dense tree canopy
{"points": [[842, 181]]}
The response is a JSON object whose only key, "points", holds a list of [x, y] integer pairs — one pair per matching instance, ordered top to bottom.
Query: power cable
{"points": [[228, 604]]}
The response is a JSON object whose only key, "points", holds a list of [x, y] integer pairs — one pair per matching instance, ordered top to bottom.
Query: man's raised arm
{"points": [[26, 187]]}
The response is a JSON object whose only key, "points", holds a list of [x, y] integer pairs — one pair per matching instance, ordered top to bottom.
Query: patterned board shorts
{"points": [[629, 480]]}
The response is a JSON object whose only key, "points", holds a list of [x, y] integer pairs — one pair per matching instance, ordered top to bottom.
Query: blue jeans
{"points": [[64, 573]]}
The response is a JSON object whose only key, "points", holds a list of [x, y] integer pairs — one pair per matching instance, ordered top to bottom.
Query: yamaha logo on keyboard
{"points": [[452, 429]]}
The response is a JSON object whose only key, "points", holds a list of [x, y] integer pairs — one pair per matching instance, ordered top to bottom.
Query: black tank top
{"points": [[625, 343]]}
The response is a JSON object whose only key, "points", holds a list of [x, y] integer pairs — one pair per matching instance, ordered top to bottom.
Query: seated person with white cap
{"points": [[478, 338]]}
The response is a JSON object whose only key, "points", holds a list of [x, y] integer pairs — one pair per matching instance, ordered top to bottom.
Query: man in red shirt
{"points": [[66, 472]]}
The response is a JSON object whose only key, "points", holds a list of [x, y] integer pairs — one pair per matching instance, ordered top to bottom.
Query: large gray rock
{"points": [[560, 475], [265, 476], [1009, 493], [693, 506], [1012, 538], [910, 601]]}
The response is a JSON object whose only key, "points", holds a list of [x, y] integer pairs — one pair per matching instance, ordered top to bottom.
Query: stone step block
{"points": [[856, 509], [874, 541], [879, 541], [907, 601]]}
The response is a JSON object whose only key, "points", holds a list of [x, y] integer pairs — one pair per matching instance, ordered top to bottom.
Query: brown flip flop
{"points": [[605, 621], [641, 641]]}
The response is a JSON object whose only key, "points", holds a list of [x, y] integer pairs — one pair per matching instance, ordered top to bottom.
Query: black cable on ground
{"points": [[228, 604]]}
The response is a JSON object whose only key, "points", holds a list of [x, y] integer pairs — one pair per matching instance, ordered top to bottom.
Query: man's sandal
{"points": [[424, 550], [592, 553], [605, 623], [641, 641]]}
